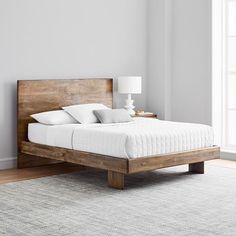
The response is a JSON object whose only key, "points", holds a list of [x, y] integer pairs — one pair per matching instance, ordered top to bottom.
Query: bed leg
{"points": [[197, 167], [115, 179]]}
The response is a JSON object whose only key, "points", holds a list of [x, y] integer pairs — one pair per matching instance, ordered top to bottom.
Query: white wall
{"points": [[159, 28], [67, 39], [168, 41], [155, 53], [191, 61], [179, 67]]}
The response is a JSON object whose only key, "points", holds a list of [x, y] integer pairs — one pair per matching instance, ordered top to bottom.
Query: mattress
{"points": [[52, 135], [139, 138]]}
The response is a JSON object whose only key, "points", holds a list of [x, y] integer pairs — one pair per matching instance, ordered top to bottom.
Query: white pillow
{"points": [[83, 113], [58, 117]]}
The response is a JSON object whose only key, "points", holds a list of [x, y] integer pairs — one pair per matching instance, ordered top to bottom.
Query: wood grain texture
{"points": [[44, 95], [154, 116], [82, 158], [172, 159], [25, 161], [197, 167], [14, 175], [115, 180]]}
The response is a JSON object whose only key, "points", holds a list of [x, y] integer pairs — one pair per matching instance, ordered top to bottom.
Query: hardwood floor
{"points": [[13, 175]]}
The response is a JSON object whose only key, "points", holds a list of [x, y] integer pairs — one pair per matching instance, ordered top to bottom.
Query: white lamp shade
{"points": [[130, 84]]}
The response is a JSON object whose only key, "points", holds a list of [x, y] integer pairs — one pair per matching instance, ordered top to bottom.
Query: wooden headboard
{"points": [[44, 95]]}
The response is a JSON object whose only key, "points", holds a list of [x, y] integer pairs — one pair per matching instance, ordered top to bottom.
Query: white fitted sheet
{"points": [[52, 135], [142, 137]]}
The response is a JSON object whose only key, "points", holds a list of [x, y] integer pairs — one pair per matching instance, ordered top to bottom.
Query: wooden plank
{"points": [[35, 96], [154, 116], [82, 158], [173, 159], [26, 161], [197, 167], [13, 175], [115, 180]]}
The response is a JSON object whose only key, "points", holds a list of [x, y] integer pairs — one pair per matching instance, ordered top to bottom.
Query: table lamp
{"points": [[130, 85]]}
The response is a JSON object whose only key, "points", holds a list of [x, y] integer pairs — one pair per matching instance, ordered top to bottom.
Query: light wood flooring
{"points": [[13, 175]]}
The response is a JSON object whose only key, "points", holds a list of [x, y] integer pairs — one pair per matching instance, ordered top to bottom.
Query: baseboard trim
{"points": [[228, 156], [8, 163]]}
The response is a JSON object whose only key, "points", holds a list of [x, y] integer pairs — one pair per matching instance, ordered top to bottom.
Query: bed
{"points": [[121, 149]]}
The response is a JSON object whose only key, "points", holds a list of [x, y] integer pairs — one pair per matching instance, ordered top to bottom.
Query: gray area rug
{"points": [[164, 202]]}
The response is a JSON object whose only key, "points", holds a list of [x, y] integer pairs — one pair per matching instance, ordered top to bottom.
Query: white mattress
{"points": [[142, 137]]}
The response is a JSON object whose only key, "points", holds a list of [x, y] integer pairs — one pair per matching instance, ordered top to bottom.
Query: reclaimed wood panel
{"points": [[44, 95], [78, 157], [173, 159], [26, 161], [197, 168], [116, 180]]}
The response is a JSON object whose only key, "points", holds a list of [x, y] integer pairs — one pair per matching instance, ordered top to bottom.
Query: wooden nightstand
{"points": [[153, 116]]}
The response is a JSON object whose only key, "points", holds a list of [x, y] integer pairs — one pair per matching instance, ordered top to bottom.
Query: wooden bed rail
{"points": [[34, 96], [77, 157], [173, 159], [118, 167]]}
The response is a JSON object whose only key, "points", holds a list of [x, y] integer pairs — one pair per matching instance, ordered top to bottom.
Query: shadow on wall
{"points": [[9, 129]]}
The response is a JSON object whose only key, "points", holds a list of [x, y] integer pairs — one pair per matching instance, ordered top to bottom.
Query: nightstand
{"points": [[153, 116]]}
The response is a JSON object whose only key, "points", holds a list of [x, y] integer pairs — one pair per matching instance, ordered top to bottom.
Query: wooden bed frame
{"points": [[43, 95]]}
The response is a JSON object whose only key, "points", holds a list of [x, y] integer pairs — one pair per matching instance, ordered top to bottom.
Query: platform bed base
{"points": [[34, 96], [118, 167]]}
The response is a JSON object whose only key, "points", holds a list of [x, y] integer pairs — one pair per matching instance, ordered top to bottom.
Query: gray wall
{"points": [[66, 39], [166, 41], [159, 57], [155, 59], [191, 61], [179, 67]]}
